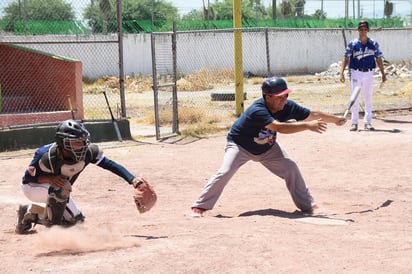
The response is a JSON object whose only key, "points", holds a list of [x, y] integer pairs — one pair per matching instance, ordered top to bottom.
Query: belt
{"points": [[364, 70]]}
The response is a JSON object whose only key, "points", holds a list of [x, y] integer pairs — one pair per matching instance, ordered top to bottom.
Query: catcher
{"points": [[48, 180]]}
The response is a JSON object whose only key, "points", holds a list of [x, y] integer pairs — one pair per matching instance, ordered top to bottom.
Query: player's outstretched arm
{"points": [[326, 117], [294, 127]]}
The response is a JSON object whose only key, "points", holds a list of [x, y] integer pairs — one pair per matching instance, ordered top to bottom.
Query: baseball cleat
{"points": [[354, 127], [369, 127], [311, 210], [197, 212], [22, 226]]}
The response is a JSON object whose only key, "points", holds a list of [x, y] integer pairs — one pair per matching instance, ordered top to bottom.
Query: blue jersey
{"points": [[362, 56], [249, 129], [48, 159]]}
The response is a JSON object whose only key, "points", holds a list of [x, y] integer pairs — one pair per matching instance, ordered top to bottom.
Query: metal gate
{"points": [[163, 47]]}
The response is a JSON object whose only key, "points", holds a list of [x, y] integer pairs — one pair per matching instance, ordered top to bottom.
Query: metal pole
{"points": [[321, 9], [353, 9], [346, 12], [153, 15], [237, 21], [267, 52], [121, 69], [155, 87], [175, 125]]}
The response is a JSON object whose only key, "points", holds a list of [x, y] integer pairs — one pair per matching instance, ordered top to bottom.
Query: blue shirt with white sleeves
{"points": [[362, 56]]}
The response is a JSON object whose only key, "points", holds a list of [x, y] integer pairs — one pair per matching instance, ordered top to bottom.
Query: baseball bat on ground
{"points": [[69, 99], [352, 100], [115, 125]]}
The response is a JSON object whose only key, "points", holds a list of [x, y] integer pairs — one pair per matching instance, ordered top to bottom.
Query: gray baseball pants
{"points": [[275, 160]]}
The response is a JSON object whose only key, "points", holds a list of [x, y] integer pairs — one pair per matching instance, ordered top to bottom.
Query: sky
{"points": [[333, 8]]}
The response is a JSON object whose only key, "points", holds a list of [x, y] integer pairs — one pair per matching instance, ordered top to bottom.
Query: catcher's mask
{"points": [[73, 137]]}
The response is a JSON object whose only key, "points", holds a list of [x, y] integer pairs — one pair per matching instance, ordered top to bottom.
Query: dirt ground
{"points": [[361, 181]]}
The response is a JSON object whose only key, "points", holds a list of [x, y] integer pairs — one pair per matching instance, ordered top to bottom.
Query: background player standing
{"points": [[361, 54], [253, 137], [49, 178]]}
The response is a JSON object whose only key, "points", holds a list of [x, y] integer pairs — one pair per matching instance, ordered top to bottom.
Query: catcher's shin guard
{"points": [[55, 206]]}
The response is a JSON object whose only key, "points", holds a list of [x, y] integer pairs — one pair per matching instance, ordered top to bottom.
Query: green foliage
{"points": [[286, 9], [36, 10], [52, 10], [250, 10], [99, 14], [193, 15], [319, 15], [145, 26], [48, 27]]}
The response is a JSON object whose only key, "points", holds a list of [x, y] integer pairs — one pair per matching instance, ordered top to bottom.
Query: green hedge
{"points": [[145, 26]]}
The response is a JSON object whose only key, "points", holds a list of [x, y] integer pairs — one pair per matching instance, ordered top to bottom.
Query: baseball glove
{"points": [[144, 195]]}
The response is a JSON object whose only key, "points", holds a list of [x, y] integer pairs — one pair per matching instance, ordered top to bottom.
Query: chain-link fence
{"points": [[204, 70], [205, 73], [41, 82]]}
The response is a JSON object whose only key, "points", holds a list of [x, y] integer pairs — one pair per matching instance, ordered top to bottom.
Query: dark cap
{"points": [[363, 24], [275, 86]]}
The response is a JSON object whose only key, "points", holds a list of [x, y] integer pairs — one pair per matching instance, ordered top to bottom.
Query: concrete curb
{"points": [[35, 136]]}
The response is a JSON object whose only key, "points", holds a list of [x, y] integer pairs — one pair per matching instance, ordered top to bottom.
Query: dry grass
{"points": [[205, 79], [135, 83], [186, 116], [200, 116]]}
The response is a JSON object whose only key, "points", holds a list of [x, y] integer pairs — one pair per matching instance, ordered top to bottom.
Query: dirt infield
{"points": [[361, 180]]}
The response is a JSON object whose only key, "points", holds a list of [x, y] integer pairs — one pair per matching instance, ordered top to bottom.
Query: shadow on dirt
{"points": [[392, 121], [382, 130], [384, 204], [272, 212], [297, 214], [290, 215], [147, 237]]}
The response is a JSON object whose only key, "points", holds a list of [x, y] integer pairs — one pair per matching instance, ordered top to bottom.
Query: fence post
{"points": [[237, 20], [267, 52], [121, 69]]}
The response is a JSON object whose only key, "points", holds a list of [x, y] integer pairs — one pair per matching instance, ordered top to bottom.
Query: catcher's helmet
{"points": [[275, 86], [73, 137]]}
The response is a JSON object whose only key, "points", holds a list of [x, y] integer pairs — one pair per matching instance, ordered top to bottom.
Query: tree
{"points": [[300, 8], [286, 9], [41, 10], [46, 10], [131, 10], [142, 10], [251, 10], [388, 10], [105, 11], [208, 12], [194, 14], [319, 15]]}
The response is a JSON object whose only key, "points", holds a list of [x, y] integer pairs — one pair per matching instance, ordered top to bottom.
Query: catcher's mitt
{"points": [[144, 195]]}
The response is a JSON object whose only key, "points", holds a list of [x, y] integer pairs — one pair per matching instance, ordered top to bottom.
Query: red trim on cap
{"points": [[286, 91]]}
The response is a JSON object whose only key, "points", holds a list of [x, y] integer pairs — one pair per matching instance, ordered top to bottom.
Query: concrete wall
{"points": [[291, 50]]}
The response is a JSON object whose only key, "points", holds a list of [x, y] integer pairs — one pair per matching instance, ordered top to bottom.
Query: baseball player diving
{"points": [[253, 138], [48, 180]]}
